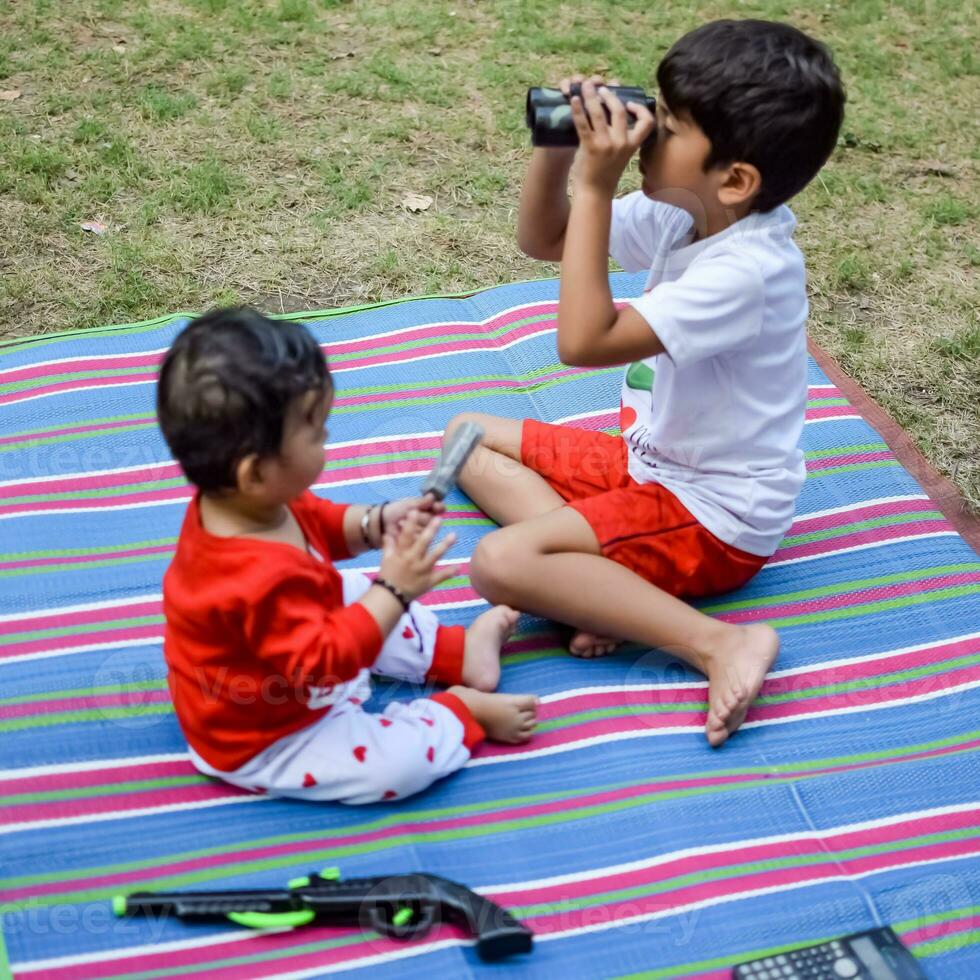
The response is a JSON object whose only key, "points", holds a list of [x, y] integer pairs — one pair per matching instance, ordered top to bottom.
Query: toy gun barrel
{"points": [[548, 113], [454, 455], [399, 906]]}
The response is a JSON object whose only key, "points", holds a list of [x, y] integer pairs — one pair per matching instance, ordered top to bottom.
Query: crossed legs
{"points": [[546, 560]]}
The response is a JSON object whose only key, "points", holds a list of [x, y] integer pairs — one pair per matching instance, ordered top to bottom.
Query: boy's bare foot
{"points": [[484, 638], [588, 645], [735, 674], [504, 717]]}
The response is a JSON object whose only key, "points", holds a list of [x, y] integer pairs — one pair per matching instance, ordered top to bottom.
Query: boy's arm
{"points": [[544, 208], [590, 330]]}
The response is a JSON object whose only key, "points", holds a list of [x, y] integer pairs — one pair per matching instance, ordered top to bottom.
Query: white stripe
{"points": [[323, 320], [95, 386], [831, 418], [877, 501], [860, 547], [83, 607], [147, 641], [688, 729], [29, 772], [14, 828], [643, 864], [590, 875]]}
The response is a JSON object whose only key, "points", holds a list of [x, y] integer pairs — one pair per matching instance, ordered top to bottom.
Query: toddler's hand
{"points": [[396, 511], [406, 561]]}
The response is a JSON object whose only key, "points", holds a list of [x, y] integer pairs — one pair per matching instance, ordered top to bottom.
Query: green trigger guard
{"points": [[381, 919]]}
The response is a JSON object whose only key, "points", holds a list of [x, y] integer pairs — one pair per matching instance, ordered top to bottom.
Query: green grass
{"points": [[257, 151]]}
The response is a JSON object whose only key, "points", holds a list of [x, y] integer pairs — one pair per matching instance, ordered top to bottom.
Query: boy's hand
{"points": [[606, 147], [397, 510], [407, 562]]}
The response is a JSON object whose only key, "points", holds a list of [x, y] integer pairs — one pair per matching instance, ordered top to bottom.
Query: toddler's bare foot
{"points": [[484, 638], [588, 645], [735, 672], [504, 717]]}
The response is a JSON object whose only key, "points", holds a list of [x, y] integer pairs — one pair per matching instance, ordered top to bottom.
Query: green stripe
{"points": [[99, 374], [71, 437], [864, 447], [851, 468], [101, 492], [843, 529], [77, 552], [83, 565], [853, 585], [868, 608], [114, 624], [87, 692], [94, 714], [112, 789], [327, 854], [820, 857], [921, 921], [948, 943], [264, 957]]}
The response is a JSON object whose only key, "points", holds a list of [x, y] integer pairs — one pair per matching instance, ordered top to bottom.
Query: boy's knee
{"points": [[457, 420], [495, 555]]}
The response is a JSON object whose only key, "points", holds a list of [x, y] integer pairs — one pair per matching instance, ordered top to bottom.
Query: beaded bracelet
{"points": [[395, 591]]}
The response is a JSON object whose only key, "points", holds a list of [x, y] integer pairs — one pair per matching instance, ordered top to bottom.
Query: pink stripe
{"points": [[440, 330], [73, 366], [76, 385], [448, 389], [829, 411], [52, 433], [400, 445], [814, 465], [95, 481], [171, 494], [808, 525], [873, 536], [163, 549], [860, 597], [82, 618], [148, 633], [89, 702], [638, 723], [95, 777], [93, 806], [801, 846], [560, 920], [940, 930]]}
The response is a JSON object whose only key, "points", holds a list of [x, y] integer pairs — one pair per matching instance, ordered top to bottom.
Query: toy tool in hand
{"points": [[455, 453], [403, 906]]}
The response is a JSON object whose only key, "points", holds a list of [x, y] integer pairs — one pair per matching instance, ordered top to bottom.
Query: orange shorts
{"points": [[640, 525]]}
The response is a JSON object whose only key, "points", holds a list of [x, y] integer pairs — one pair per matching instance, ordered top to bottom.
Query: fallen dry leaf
{"points": [[340, 55], [9, 95], [416, 202], [96, 227]]}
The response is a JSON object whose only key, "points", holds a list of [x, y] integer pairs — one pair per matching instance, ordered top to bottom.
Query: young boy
{"points": [[608, 533], [268, 646]]}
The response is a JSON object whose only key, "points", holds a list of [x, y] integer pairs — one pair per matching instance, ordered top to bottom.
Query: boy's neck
{"points": [[713, 222], [233, 514]]}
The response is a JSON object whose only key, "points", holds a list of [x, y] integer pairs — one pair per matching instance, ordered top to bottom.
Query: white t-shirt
{"points": [[718, 416]]}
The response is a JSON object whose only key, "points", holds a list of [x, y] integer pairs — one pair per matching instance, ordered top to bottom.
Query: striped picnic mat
{"points": [[850, 798]]}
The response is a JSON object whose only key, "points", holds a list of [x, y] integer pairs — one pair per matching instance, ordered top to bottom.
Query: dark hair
{"points": [[762, 92], [225, 387]]}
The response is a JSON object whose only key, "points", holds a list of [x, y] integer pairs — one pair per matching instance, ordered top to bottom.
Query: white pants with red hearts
{"points": [[350, 755]]}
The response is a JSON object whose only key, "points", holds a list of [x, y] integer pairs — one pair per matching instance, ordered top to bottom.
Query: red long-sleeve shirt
{"points": [[252, 625]]}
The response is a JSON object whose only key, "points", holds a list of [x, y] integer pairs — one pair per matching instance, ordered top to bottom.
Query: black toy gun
{"points": [[548, 113], [400, 906]]}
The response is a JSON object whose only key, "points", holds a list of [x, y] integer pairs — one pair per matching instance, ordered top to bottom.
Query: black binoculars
{"points": [[549, 112]]}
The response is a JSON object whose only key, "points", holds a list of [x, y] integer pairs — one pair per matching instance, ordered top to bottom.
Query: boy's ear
{"points": [[740, 183], [248, 474]]}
